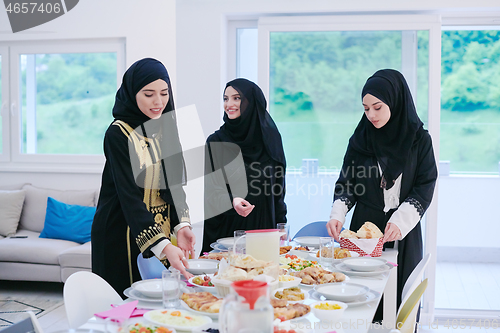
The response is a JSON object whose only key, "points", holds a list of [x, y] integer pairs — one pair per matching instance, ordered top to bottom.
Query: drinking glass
{"points": [[283, 230], [239, 246], [326, 251], [171, 288]]}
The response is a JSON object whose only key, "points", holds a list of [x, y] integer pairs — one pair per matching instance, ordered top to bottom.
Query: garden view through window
{"points": [[66, 101]]}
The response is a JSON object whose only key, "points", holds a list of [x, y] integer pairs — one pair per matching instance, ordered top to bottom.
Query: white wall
{"points": [[148, 28]]}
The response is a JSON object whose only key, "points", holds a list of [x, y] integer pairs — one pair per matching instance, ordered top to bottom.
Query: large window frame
{"points": [[431, 23], [4, 105], [11, 131]]}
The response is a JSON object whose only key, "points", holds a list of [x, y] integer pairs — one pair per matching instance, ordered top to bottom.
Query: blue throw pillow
{"points": [[68, 222]]}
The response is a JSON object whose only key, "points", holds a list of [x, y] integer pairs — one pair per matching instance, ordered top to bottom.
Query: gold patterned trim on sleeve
{"points": [[149, 236]]}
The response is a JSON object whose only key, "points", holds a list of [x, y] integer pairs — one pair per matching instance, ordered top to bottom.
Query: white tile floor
{"points": [[458, 286]]}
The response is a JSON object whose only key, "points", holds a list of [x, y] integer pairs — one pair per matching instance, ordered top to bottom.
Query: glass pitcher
{"points": [[247, 309]]}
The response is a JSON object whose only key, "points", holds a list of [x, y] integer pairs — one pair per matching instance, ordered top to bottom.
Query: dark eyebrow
{"points": [[152, 90], [373, 103]]}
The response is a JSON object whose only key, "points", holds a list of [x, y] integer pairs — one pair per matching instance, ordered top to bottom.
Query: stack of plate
{"points": [[363, 266], [147, 290], [350, 293]]}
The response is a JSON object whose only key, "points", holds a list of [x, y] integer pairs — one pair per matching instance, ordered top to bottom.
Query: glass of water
{"points": [[171, 289]]}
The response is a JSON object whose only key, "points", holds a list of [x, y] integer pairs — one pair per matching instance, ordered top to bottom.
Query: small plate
{"points": [[309, 241], [226, 242], [364, 264], [202, 266], [347, 271], [150, 288], [204, 288], [305, 292], [344, 292], [134, 294], [370, 296], [211, 315], [151, 316]]}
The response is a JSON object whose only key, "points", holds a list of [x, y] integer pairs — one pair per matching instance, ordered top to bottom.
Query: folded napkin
{"points": [[122, 312]]}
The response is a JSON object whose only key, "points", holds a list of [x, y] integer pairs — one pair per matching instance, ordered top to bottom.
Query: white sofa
{"points": [[42, 259]]}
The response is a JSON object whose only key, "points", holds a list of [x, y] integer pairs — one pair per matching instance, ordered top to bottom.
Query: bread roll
{"points": [[369, 230], [348, 234]]}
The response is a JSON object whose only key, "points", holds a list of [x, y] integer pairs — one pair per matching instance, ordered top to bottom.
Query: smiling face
{"points": [[153, 98], [232, 103], [377, 112]]}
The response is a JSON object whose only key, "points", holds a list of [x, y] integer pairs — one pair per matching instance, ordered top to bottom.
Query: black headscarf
{"points": [[138, 75], [254, 131], [390, 144]]}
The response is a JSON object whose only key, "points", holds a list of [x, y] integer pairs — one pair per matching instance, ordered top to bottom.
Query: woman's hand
{"points": [[242, 206], [334, 226], [391, 233], [186, 241], [177, 259]]}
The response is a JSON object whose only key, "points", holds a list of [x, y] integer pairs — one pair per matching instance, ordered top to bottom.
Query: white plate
{"points": [[309, 241], [226, 242], [218, 247], [364, 264], [202, 266], [347, 271], [150, 288], [204, 288], [305, 292], [344, 292], [134, 294], [370, 296], [200, 313], [148, 315]]}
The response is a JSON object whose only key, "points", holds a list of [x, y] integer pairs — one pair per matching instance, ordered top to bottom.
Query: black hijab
{"points": [[138, 75], [254, 131], [390, 144]]}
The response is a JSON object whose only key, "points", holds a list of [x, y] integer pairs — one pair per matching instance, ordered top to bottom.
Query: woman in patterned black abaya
{"points": [[389, 171], [248, 195], [136, 211]]}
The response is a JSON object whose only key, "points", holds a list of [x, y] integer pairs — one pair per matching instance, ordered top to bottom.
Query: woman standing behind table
{"points": [[248, 128], [389, 171], [135, 212]]}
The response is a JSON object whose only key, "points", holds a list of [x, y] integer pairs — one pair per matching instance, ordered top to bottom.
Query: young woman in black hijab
{"points": [[248, 128], [389, 171], [136, 211]]}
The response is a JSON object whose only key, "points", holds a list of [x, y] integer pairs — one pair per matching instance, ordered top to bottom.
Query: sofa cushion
{"points": [[35, 204], [11, 205], [69, 222], [33, 249], [78, 256]]}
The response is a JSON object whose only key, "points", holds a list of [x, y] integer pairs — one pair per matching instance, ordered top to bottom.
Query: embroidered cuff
{"points": [[339, 209], [405, 217], [149, 236], [158, 249]]}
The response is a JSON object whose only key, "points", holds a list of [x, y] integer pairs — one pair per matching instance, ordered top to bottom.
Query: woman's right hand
{"points": [[242, 206], [334, 227], [177, 259]]}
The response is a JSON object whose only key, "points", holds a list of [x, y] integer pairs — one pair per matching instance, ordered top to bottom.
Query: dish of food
{"points": [[285, 249], [215, 255], [318, 275], [292, 294], [328, 310], [285, 311], [214, 315], [179, 319], [140, 328]]}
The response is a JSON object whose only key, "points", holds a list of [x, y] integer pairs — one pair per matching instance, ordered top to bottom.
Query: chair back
{"points": [[313, 229], [151, 268], [415, 278], [85, 294], [407, 314], [27, 325]]}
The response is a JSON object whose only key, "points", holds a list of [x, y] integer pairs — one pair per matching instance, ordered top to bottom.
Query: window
{"points": [[61, 99], [470, 100]]}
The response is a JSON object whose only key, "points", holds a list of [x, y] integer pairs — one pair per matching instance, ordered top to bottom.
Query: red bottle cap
{"points": [[250, 290]]}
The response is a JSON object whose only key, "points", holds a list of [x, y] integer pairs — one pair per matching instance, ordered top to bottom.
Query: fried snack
{"points": [[369, 230], [348, 234], [301, 248], [285, 249], [326, 253], [339, 253], [317, 275], [290, 294], [202, 301], [291, 311]]}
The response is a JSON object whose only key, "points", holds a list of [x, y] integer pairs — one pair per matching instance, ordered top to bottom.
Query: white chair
{"points": [[415, 277], [85, 294], [407, 312], [27, 325]]}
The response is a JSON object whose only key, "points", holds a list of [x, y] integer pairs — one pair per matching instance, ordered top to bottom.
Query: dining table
{"points": [[356, 319]]}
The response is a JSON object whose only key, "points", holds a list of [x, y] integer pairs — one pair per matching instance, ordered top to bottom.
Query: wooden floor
{"points": [[458, 286]]}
